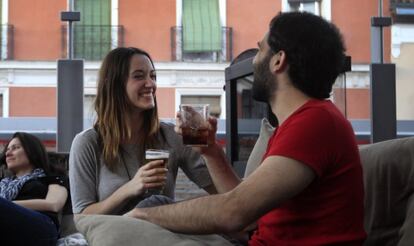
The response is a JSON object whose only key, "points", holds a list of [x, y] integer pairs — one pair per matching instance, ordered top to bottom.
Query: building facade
{"points": [[191, 42]]}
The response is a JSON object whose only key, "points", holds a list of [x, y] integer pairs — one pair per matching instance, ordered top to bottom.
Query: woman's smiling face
{"points": [[141, 84], [16, 158]]}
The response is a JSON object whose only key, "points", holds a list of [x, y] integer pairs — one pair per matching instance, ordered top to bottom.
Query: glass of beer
{"points": [[194, 124], [152, 155]]}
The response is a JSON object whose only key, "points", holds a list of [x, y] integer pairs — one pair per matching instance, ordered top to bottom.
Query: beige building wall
{"points": [[405, 82]]}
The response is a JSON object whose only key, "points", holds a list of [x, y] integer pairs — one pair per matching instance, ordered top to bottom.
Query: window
{"points": [[310, 6], [402, 11], [201, 26], [200, 34], [92, 35], [214, 101], [4, 102], [88, 107]]}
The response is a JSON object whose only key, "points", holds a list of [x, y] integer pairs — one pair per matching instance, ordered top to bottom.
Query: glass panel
{"points": [[201, 26], [338, 95], [249, 116]]}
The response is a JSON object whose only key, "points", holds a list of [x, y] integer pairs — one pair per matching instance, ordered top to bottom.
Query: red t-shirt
{"points": [[330, 210]]}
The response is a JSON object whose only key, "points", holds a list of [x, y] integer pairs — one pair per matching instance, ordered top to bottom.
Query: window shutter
{"points": [[201, 26], [93, 33]]}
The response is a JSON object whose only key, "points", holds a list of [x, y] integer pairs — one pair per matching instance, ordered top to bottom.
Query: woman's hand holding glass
{"points": [[152, 175]]}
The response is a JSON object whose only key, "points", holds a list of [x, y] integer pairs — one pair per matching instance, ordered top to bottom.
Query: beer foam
{"points": [[155, 154]]}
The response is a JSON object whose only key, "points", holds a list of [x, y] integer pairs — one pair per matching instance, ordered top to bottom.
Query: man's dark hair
{"points": [[314, 49]]}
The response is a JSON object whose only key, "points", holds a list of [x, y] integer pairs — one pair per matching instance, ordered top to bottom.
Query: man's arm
{"points": [[222, 174], [276, 180]]}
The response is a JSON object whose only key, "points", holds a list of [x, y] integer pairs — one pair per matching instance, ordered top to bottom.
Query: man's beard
{"points": [[263, 83]]}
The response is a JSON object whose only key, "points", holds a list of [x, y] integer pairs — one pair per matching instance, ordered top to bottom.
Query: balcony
{"points": [[402, 11], [7, 41], [92, 42], [179, 54]]}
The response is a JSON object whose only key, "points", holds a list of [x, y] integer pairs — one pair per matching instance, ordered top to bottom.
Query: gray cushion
{"points": [[256, 156], [389, 180], [110, 230]]}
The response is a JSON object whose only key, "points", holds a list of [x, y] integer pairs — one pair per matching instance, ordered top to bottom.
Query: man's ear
{"points": [[278, 62]]}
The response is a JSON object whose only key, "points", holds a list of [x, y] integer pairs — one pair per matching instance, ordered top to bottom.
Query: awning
{"points": [[201, 26]]}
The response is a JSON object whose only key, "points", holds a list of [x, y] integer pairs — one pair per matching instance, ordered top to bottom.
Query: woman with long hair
{"points": [[107, 168], [32, 196]]}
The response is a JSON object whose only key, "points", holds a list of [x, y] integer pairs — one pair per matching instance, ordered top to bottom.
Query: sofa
{"points": [[388, 169]]}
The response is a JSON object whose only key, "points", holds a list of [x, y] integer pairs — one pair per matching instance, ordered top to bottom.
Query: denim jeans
{"points": [[154, 200], [22, 226]]}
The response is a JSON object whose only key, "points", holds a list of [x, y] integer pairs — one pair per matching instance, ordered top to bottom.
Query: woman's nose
{"points": [[149, 82], [8, 152]]}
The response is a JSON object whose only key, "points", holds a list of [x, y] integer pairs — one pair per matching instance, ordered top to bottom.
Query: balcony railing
{"points": [[7, 42], [93, 42], [223, 55]]}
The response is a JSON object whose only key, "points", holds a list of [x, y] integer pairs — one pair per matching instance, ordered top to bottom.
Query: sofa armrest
{"points": [[388, 181]]}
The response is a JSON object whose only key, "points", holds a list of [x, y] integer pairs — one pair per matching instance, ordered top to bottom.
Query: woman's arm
{"points": [[151, 175], [54, 201]]}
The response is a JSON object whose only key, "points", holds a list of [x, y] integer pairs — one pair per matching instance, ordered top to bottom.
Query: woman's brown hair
{"points": [[113, 108]]}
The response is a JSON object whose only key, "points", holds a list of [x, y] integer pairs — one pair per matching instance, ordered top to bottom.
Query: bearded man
{"points": [[308, 190]]}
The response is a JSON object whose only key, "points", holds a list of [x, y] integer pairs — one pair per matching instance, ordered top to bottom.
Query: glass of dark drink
{"points": [[194, 126], [152, 155]]}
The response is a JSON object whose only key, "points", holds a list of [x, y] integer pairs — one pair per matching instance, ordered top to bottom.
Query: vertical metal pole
{"points": [[380, 8], [70, 33], [69, 89], [383, 99], [70, 102], [383, 102], [231, 121]]}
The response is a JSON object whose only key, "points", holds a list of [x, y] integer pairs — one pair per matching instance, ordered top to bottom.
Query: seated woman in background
{"points": [[31, 198]]}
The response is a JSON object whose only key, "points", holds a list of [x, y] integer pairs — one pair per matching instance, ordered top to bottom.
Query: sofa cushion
{"points": [[256, 156], [389, 180], [109, 230]]}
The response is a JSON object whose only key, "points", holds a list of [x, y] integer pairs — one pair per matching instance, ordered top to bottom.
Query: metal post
{"points": [[70, 32], [69, 90], [383, 99], [70, 102], [383, 102]]}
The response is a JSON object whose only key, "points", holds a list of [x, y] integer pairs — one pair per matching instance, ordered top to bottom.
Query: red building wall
{"points": [[353, 18], [249, 20], [147, 25], [37, 28], [32, 101], [166, 102], [358, 105]]}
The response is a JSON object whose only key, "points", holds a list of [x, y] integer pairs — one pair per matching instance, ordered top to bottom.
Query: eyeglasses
{"points": [[13, 147]]}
